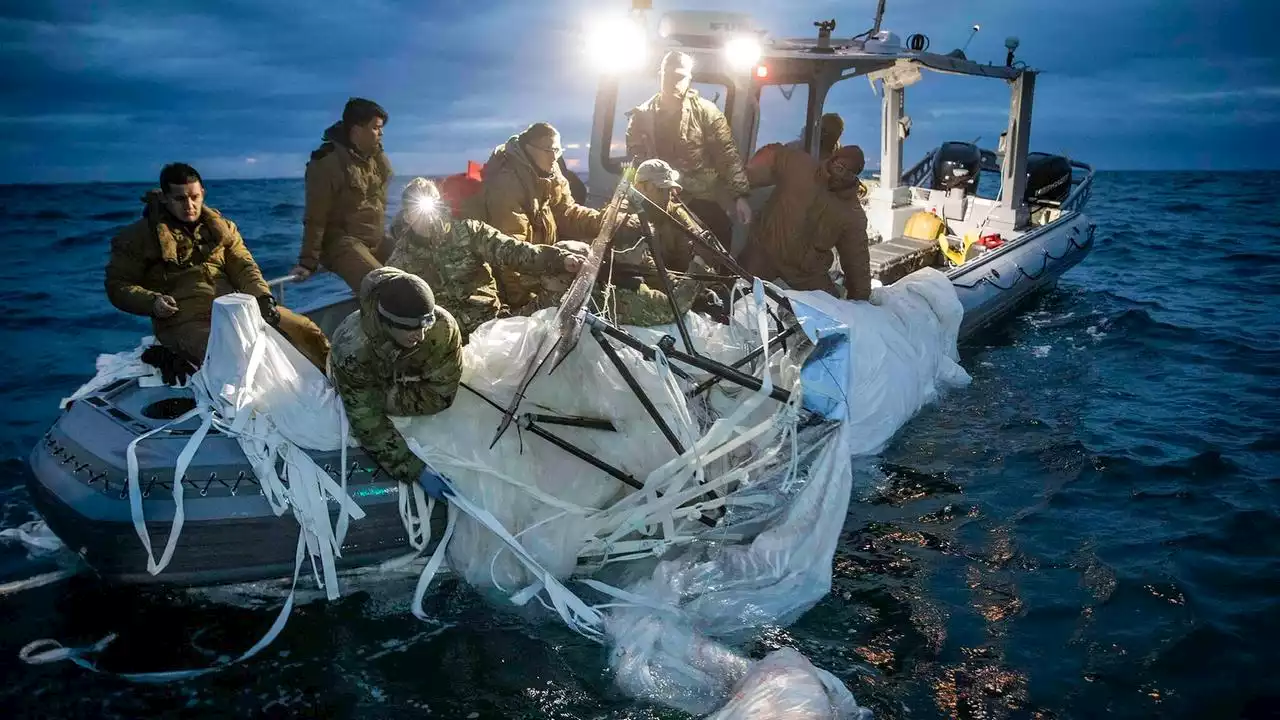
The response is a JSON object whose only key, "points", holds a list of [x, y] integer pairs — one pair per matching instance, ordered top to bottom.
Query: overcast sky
{"points": [[243, 88]]}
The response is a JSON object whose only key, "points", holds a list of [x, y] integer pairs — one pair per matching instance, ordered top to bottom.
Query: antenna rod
{"points": [[879, 17]]}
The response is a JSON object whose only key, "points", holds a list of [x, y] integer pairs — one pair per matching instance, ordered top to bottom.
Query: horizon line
{"points": [[581, 174]]}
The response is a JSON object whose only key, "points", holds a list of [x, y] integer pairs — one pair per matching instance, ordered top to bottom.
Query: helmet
{"points": [[657, 172], [423, 207]]}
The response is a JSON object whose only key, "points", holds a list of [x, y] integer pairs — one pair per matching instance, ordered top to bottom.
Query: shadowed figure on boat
{"points": [[830, 128], [812, 210], [343, 225], [173, 262]]}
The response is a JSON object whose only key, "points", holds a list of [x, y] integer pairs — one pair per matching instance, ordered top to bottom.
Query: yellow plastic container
{"points": [[924, 225], [958, 257]]}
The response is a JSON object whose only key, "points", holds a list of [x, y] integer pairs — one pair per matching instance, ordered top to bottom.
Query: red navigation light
{"points": [[762, 72]]}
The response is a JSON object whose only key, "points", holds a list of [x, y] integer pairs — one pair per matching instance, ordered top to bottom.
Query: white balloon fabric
{"points": [[535, 516]]}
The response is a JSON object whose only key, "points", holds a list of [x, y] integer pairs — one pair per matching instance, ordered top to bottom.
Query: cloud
{"points": [[115, 90], [1268, 92]]}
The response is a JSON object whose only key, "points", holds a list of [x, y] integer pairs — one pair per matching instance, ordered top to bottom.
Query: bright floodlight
{"points": [[616, 45], [742, 52]]}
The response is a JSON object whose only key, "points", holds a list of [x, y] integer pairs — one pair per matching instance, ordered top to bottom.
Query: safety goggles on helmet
{"points": [[401, 322]]}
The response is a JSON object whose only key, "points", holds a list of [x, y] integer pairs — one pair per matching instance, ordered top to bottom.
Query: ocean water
{"points": [[1092, 528]]}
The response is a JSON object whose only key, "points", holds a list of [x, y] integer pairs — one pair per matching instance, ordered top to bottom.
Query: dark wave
{"points": [[1186, 208], [285, 209], [48, 215], [117, 216], [87, 239], [1251, 258]]}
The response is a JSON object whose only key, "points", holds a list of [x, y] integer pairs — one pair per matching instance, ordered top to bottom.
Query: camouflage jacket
{"points": [[702, 148], [346, 197], [521, 202], [802, 222], [677, 250], [158, 255], [460, 263], [642, 306], [645, 306], [377, 378]]}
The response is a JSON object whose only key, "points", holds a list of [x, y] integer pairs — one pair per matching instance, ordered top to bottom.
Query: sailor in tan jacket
{"points": [[691, 134], [524, 195], [813, 209], [343, 226], [173, 262]]}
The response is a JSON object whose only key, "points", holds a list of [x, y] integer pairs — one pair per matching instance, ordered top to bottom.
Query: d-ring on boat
{"points": [[231, 533]]}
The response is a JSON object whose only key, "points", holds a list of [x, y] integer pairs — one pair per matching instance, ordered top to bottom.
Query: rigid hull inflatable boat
{"points": [[995, 251]]}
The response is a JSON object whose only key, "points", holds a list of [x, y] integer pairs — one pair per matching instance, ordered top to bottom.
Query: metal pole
{"points": [[879, 16], [652, 242], [626, 339], [749, 357], [728, 373], [637, 390], [581, 422], [596, 462]]}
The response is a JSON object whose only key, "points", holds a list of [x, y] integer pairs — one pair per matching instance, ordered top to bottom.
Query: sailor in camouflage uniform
{"points": [[689, 132], [459, 258], [634, 299], [399, 354]]}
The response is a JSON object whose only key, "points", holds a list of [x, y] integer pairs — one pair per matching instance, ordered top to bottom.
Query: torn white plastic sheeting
{"points": [[904, 351], [894, 357], [118, 366], [256, 387], [268, 396], [548, 499], [35, 536], [786, 685]]}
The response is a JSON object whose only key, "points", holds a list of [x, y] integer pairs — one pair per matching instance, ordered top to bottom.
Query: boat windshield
{"points": [[783, 111]]}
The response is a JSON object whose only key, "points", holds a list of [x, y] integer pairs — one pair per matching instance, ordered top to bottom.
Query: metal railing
{"points": [[921, 172], [1083, 190], [278, 285]]}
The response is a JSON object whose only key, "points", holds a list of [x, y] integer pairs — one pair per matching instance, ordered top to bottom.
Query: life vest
{"points": [[458, 187]]}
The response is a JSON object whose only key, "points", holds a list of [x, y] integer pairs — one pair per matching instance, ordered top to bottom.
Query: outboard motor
{"points": [[957, 165], [1048, 178]]}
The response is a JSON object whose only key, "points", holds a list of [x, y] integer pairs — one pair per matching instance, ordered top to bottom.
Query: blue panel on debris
{"points": [[825, 373]]}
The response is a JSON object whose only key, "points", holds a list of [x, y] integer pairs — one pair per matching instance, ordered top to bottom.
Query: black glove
{"points": [[267, 306], [173, 367]]}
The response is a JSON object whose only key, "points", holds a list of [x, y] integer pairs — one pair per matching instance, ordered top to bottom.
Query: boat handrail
{"points": [[916, 176], [1079, 195], [278, 284]]}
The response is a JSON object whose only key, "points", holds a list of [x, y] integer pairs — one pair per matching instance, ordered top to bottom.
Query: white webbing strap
{"points": [[135, 490], [344, 514], [415, 518], [433, 566], [576, 614], [42, 652]]}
